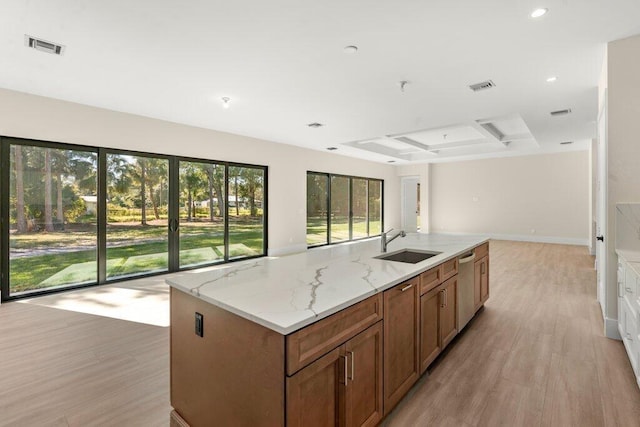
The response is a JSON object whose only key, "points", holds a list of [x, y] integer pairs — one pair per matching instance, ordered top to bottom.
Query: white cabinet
{"points": [[629, 310]]}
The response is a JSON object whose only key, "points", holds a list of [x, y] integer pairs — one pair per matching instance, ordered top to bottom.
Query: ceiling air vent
{"points": [[43, 45], [482, 85], [561, 112]]}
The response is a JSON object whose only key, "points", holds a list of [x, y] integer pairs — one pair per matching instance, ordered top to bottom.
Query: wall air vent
{"points": [[43, 45], [482, 86], [561, 112]]}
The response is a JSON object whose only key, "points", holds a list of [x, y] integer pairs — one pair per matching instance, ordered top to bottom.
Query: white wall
{"points": [[29, 116], [623, 143], [536, 198]]}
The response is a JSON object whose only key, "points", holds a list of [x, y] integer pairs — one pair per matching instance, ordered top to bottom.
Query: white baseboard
{"points": [[528, 238], [288, 250], [611, 329]]}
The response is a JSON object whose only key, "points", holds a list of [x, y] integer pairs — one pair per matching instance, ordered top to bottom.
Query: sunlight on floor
{"points": [[142, 301]]}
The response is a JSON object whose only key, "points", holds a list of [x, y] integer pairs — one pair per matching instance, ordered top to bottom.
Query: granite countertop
{"points": [[287, 293]]}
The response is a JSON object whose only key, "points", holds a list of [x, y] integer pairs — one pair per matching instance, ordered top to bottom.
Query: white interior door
{"points": [[601, 208], [410, 209]]}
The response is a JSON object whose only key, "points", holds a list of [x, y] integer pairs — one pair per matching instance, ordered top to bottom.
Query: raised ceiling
{"points": [[283, 66]]}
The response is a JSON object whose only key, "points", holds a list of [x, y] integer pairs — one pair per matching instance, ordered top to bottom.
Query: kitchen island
{"points": [[259, 341]]}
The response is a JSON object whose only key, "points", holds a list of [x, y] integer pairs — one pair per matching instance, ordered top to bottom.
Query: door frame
{"points": [[406, 183]]}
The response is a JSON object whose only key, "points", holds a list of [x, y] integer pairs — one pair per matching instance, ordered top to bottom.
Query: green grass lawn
{"points": [[317, 229], [136, 250]]}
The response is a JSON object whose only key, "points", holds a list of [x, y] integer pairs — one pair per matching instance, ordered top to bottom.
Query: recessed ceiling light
{"points": [[539, 12], [350, 49], [552, 79], [315, 125], [332, 148]]}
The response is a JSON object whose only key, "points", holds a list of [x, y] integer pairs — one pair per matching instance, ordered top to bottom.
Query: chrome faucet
{"points": [[384, 241]]}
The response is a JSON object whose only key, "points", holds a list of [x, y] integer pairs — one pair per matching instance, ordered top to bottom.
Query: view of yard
{"points": [[54, 215]]}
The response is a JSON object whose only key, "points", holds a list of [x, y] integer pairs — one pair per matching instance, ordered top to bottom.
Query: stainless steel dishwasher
{"points": [[465, 288]]}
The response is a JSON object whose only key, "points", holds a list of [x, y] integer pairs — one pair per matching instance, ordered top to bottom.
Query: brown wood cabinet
{"points": [[481, 282], [438, 310], [448, 310], [430, 337], [401, 340], [343, 387], [363, 389], [313, 394]]}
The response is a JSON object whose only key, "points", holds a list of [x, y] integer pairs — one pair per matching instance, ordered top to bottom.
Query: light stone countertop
{"points": [[289, 292]]}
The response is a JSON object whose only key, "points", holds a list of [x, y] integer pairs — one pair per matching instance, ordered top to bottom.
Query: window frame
{"points": [[368, 180], [101, 217]]}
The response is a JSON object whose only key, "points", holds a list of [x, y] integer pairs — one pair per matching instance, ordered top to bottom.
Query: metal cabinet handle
{"points": [[482, 268], [407, 287], [442, 304], [353, 365], [346, 377]]}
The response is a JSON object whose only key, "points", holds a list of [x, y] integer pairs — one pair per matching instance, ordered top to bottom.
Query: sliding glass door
{"points": [[201, 213], [137, 215], [75, 216], [52, 218]]}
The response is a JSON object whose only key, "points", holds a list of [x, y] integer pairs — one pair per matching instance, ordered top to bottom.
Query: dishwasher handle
{"points": [[467, 258]]}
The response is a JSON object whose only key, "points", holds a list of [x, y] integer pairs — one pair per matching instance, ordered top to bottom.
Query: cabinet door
{"points": [[484, 281], [477, 284], [448, 310], [429, 327], [401, 350], [363, 390], [313, 394]]}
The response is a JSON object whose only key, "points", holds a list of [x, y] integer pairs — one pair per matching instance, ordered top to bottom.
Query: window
{"points": [[342, 208], [76, 216]]}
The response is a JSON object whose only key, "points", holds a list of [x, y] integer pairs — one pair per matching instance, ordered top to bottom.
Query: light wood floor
{"points": [[534, 356]]}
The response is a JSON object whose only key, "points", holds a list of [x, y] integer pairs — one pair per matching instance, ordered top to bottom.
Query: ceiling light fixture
{"points": [[539, 12], [350, 49], [552, 79], [225, 102]]}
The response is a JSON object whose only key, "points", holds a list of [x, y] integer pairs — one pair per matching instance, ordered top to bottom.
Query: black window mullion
{"points": [[5, 175], [366, 203], [101, 207], [350, 207], [329, 209], [226, 212], [174, 214]]}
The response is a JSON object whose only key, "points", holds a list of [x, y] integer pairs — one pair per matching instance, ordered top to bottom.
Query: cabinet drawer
{"points": [[482, 250], [449, 268], [430, 279], [308, 344]]}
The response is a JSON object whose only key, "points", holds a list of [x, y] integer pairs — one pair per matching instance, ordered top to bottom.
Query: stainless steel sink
{"points": [[410, 256]]}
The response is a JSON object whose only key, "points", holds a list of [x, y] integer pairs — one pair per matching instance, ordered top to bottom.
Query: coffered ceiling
{"points": [[283, 65]]}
